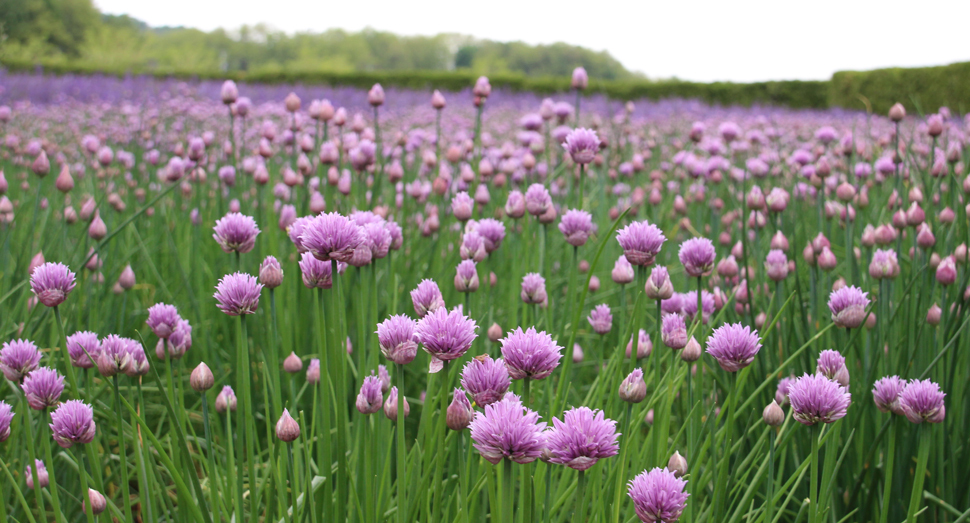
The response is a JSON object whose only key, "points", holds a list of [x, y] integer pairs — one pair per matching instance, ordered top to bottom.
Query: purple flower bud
{"points": [[582, 145], [537, 199], [623, 271], [270, 273], [658, 286], [533, 289], [427, 298], [848, 306], [600, 319], [831, 364], [313, 371], [201, 378], [633, 389], [371, 398], [226, 400], [390, 405], [460, 413], [773, 415], [6, 416], [287, 429], [43, 478], [98, 503]]}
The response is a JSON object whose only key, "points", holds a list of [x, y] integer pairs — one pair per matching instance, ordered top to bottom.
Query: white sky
{"points": [[701, 40]]}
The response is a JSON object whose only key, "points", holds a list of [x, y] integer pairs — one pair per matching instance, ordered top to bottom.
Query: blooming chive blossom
{"points": [[582, 145], [537, 199], [576, 226], [236, 232], [492, 232], [331, 236], [641, 242], [697, 256], [884, 264], [622, 271], [316, 274], [466, 277], [51, 283], [658, 286], [533, 288], [238, 294], [427, 298], [848, 306], [689, 308], [162, 319], [600, 319], [673, 331], [445, 335], [396, 338], [179, 342], [733, 346], [81, 347], [530, 354], [115, 357], [18, 358], [831, 364], [487, 380], [42, 388], [885, 394], [371, 398], [815, 398], [922, 401], [6, 416], [73, 423], [507, 429], [582, 438], [43, 477], [658, 496]]}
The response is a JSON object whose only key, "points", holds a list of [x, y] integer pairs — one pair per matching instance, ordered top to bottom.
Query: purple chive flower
{"points": [[582, 145], [537, 199], [515, 204], [462, 206], [576, 226], [236, 232], [492, 232], [331, 236], [379, 237], [641, 242], [472, 246], [697, 256], [884, 264], [776, 265], [622, 271], [270, 273], [316, 274], [466, 277], [51, 283], [658, 286], [533, 288], [238, 294], [427, 298], [848, 306], [689, 308], [163, 319], [600, 319], [673, 331], [445, 335], [396, 338], [81, 342], [179, 342], [733, 346], [530, 354], [115, 357], [18, 358], [139, 361], [831, 364], [313, 371], [384, 377], [487, 380], [42, 388], [633, 389], [781, 393], [885, 394], [371, 397], [815, 398], [226, 400], [922, 401], [390, 405], [460, 412], [6, 416], [73, 423], [507, 429], [582, 438], [43, 477], [658, 496]]}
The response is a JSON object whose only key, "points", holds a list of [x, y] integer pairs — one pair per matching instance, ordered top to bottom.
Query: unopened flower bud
{"points": [[201, 379]]}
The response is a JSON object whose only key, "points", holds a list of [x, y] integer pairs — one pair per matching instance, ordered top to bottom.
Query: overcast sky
{"points": [[701, 40]]}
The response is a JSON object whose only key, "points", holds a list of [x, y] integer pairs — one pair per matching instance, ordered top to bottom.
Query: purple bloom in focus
{"points": [[582, 145], [537, 199], [576, 226], [236, 232], [331, 236], [641, 242], [697, 255], [316, 274], [466, 277], [51, 283], [658, 286], [533, 288], [238, 294], [427, 298], [848, 306], [163, 319], [600, 319], [673, 331], [445, 335], [396, 338], [179, 342], [80, 343], [733, 346], [530, 354], [115, 356], [18, 358], [831, 364], [487, 380], [42, 388], [885, 394], [371, 398], [816, 398], [922, 401], [6, 416], [73, 423], [507, 429], [582, 438], [658, 496]]}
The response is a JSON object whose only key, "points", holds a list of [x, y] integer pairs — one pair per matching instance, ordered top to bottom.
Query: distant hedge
{"points": [[921, 89]]}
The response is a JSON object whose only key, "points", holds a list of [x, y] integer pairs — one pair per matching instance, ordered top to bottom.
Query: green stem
{"points": [[29, 427], [122, 451], [924, 453], [210, 454], [888, 472], [508, 478], [293, 487], [813, 488], [770, 498], [402, 504], [527, 506], [88, 511], [580, 514]]}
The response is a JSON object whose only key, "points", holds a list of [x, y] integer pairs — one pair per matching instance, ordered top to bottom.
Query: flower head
{"points": [[582, 145], [537, 199], [576, 225], [236, 232], [492, 232], [331, 236], [641, 242], [697, 255], [884, 264], [776, 265], [622, 271], [270, 273], [316, 274], [466, 277], [51, 283], [658, 286], [533, 288], [238, 294], [427, 298], [848, 306], [163, 319], [600, 319], [673, 331], [446, 335], [396, 338], [179, 342], [733, 346], [81, 347], [530, 354], [115, 357], [18, 358], [831, 364], [487, 380], [42, 388], [633, 389], [781, 392], [885, 394], [371, 398], [815, 398], [226, 400], [922, 401], [390, 405], [460, 413], [6, 416], [73, 423], [287, 429], [507, 429], [582, 438], [43, 478], [658, 496]]}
